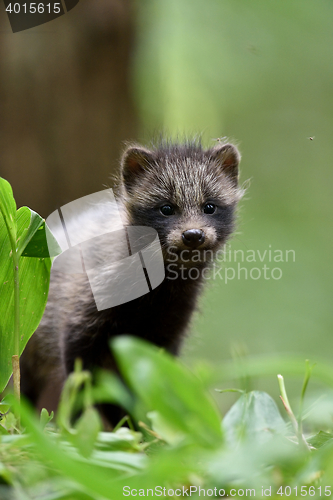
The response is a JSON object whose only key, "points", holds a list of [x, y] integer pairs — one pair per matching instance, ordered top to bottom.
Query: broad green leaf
{"points": [[7, 206], [35, 222], [42, 243], [34, 277], [164, 385], [254, 416]]}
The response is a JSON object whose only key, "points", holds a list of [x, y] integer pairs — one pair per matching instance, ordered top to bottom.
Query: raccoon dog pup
{"points": [[189, 196]]}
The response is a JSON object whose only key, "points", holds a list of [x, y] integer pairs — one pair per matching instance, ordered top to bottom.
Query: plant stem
{"points": [[16, 356], [308, 371], [16, 375], [284, 396], [286, 404]]}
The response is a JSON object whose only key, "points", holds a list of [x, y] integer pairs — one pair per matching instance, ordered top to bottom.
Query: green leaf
{"points": [[7, 206], [35, 222], [42, 243], [34, 276], [164, 385], [110, 389], [5, 405], [3, 408], [254, 416], [45, 417], [9, 422], [88, 427], [3, 431], [164, 431], [123, 439], [320, 439], [5, 475], [94, 476]]}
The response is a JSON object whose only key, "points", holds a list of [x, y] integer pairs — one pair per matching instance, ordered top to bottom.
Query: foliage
{"points": [[260, 73], [24, 277], [175, 443], [178, 443]]}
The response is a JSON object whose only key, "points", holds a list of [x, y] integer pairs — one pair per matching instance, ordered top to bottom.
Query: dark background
{"points": [[65, 102]]}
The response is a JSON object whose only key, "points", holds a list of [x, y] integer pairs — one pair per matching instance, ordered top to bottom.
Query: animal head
{"points": [[186, 193]]}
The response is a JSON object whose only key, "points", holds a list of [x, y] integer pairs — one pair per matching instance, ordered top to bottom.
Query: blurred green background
{"points": [[260, 73]]}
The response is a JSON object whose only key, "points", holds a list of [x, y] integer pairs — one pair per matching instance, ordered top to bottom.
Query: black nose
{"points": [[193, 237]]}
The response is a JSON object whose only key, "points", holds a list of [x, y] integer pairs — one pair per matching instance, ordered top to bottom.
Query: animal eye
{"points": [[209, 208], [167, 210]]}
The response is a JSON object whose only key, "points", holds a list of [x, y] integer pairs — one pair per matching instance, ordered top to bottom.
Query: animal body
{"points": [[189, 196]]}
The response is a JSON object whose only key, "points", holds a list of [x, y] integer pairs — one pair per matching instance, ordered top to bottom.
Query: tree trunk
{"points": [[65, 105]]}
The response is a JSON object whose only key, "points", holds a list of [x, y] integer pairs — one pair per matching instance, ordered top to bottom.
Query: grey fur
{"points": [[184, 176]]}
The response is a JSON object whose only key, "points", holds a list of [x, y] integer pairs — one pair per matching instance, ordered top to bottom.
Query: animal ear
{"points": [[228, 157], [134, 163]]}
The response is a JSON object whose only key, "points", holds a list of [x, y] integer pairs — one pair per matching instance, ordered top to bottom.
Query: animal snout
{"points": [[193, 238]]}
